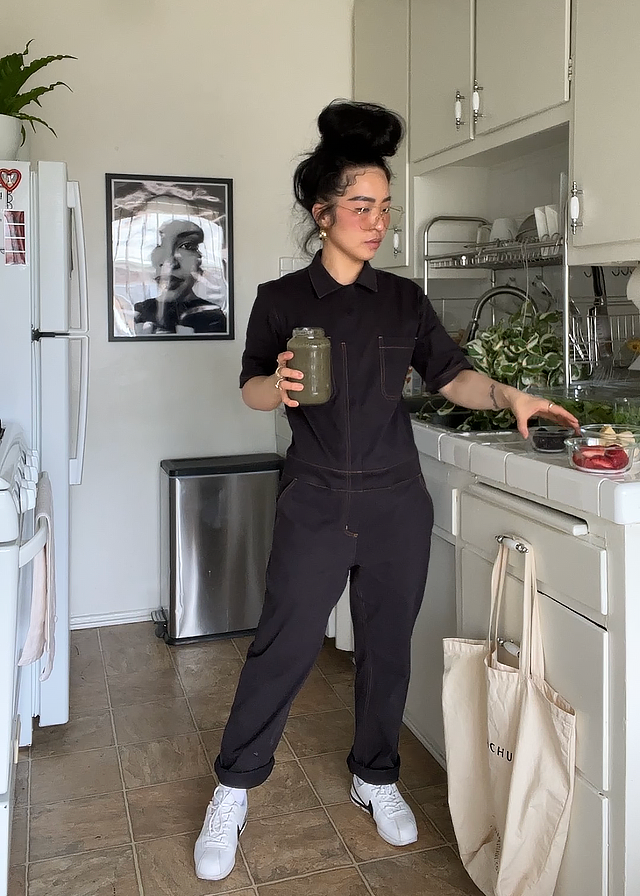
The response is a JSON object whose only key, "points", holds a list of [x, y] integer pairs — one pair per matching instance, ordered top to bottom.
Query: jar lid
{"points": [[309, 332]]}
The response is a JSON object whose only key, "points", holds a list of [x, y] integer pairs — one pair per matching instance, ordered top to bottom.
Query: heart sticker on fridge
{"points": [[10, 178]]}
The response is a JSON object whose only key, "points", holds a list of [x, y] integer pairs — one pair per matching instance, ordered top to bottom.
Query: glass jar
{"points": [[312, 355]]}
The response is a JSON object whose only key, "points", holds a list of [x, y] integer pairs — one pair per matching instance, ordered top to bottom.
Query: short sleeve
{"points": [[264, 340], [436, 357]]}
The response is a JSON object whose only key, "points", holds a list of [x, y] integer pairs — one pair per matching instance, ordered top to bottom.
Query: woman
{"points": [[352, 501]]}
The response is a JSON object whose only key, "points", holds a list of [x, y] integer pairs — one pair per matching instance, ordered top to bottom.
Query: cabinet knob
{"points": [[475, 102], [457, 110], [574, 207]]}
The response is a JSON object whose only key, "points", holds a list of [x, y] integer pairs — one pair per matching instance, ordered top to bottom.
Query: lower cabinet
{"points": [[436, 620]]}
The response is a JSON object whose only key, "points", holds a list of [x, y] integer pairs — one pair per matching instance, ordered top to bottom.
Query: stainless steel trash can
{"points": [[216, 526]]}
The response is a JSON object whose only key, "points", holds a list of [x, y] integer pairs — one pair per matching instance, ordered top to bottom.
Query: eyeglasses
{"points": [[368, 216]]}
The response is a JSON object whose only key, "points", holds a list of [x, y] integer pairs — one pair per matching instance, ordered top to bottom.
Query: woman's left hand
{"points": [[524, 406]]}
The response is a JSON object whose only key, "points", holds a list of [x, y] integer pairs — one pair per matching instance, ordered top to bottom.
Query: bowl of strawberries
{"points": [[601, 455]]}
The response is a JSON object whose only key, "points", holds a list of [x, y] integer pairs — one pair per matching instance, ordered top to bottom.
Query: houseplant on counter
{"points": [[14, 73], [521, 351]]}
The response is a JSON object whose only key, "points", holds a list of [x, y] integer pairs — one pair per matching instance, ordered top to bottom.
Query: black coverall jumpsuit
{"points": [[352, 502]]}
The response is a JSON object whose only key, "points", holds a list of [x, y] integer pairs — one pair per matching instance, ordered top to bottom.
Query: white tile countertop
{"points": [[508, 459]]}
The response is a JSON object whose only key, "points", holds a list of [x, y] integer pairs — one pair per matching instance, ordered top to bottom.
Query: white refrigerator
{"points": [[44, 370]]}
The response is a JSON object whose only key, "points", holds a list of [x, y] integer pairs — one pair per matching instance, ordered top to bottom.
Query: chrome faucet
{"points": [[514, 291]]}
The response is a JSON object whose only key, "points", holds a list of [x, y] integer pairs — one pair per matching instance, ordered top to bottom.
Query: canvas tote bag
{"points": [[510, 749]]}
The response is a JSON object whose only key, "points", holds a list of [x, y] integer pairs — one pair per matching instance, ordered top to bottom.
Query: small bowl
{"points": [[619, 433], [549, 439], [599, 456]]}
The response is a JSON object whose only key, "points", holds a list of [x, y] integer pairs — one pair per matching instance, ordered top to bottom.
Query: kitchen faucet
{"points": [[514, 291]]}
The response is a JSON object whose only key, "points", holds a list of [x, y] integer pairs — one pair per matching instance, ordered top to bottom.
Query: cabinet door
{"points": [[522, 55], [440, 67], [381, 75], [606, 131], [436, 620]]}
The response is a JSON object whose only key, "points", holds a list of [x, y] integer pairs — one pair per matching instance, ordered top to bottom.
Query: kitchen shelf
{"points": [[500, 255]]}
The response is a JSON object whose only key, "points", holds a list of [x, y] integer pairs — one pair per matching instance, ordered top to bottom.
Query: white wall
{"points": [[226, 88]]}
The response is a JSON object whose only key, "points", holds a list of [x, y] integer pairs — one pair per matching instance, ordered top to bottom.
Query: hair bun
{"points": [[359, 131]]}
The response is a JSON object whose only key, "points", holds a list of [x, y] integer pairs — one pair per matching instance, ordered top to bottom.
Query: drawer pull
{"points": [[510, 542]]}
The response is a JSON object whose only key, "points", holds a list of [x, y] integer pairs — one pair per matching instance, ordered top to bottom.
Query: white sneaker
{"points": [[394, 819], [215, 850]]}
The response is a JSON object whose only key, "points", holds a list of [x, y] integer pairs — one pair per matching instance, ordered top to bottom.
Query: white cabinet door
{"points": [[522, 55], [440, 68], [381, 75], [606, 130], [436, 620], [584, 865]]}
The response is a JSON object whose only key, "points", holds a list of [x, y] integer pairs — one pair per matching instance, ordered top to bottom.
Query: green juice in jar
{"points": [[311, 355]]}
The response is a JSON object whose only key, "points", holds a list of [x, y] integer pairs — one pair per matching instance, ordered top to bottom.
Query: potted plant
{"points": [[14, 73]]}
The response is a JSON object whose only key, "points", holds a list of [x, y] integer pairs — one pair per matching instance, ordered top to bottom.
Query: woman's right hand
{"points": [[286, 379]]}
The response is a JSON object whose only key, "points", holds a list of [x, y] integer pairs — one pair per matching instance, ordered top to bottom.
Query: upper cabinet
{"points": [[522, 59], [478, 66], [381, 75], [441, 75], [606, 133]]}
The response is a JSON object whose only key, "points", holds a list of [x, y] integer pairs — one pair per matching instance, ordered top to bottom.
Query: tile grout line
{"points": [[206, 754], [134, 851]]}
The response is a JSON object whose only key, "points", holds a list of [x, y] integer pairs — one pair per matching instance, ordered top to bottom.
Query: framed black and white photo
{"points": [[170, 257]]}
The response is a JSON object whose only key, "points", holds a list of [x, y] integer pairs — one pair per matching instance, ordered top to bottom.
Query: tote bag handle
{"points": [[531, 648]]}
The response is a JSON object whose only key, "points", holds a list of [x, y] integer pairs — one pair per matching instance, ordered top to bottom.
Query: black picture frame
{"points": [[169, 257]]}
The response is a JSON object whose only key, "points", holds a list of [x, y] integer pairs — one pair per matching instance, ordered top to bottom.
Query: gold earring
{"points": [[322, 234]]}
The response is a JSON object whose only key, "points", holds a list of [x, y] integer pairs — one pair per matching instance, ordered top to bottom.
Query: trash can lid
{"points": [[212, 466]]}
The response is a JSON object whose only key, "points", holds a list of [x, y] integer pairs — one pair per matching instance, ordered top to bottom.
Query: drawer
{"points": [[443, 495], [567, 565], [575, 651], [583, 871]]}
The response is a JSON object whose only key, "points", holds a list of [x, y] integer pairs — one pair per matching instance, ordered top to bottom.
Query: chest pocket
{"points": [[395, 360]]}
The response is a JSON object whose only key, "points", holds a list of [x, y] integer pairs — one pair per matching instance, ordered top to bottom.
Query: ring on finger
{"points": [[279, 371], [279, 380], [550, 405]]}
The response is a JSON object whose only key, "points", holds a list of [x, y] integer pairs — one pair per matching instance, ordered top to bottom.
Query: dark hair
{"points": [[351, 135]]}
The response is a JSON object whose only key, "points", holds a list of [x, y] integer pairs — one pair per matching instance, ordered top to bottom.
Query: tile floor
{"points": [[111, 804]]}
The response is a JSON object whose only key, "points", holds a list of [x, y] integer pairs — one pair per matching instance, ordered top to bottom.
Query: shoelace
{"points": [[389, 798], [218, 827]]}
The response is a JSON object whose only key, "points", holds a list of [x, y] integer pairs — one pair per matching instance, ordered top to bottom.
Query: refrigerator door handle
{"points": [[74, 202], [76, 464]]}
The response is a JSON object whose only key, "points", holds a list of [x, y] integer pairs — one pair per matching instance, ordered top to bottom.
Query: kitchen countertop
{"points": [[508, 459]]}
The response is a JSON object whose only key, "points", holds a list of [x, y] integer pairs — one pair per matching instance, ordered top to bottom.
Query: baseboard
{"points": [[97, 620]]}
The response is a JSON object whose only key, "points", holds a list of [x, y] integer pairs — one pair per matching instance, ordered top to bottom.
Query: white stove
{"points": [[19, 471]]}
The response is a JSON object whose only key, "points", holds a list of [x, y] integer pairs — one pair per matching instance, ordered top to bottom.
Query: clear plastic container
{"points": [[312, 355], [620, 433], [549, 439], [594, 455]]}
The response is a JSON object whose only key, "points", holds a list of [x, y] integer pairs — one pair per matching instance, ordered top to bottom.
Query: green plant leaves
{"points": [[13, 76]]}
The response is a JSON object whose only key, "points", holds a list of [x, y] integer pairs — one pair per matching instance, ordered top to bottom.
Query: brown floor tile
{"points": [[84, 641], [243, 644], [133, 648], [331, 660], [202, 676], [342, 684], [128, 688], [88, 691], [87, 696], [315, 696], [212, 710], [150, 721], [86, 732], [324, 732], [213, 739], [162, 761], [418, 768], [74, 775], [330, 776], [21, 784], [286, 790], [435, 805], [166, 809], [74, 826], [363, 841], [288, 845], [18, 855], [166, 867], [437, 872], [99, 873], [344, 882], [16, 885]]}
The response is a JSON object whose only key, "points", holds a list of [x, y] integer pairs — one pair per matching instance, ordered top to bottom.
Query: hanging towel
{"points": [[41, 634]]}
